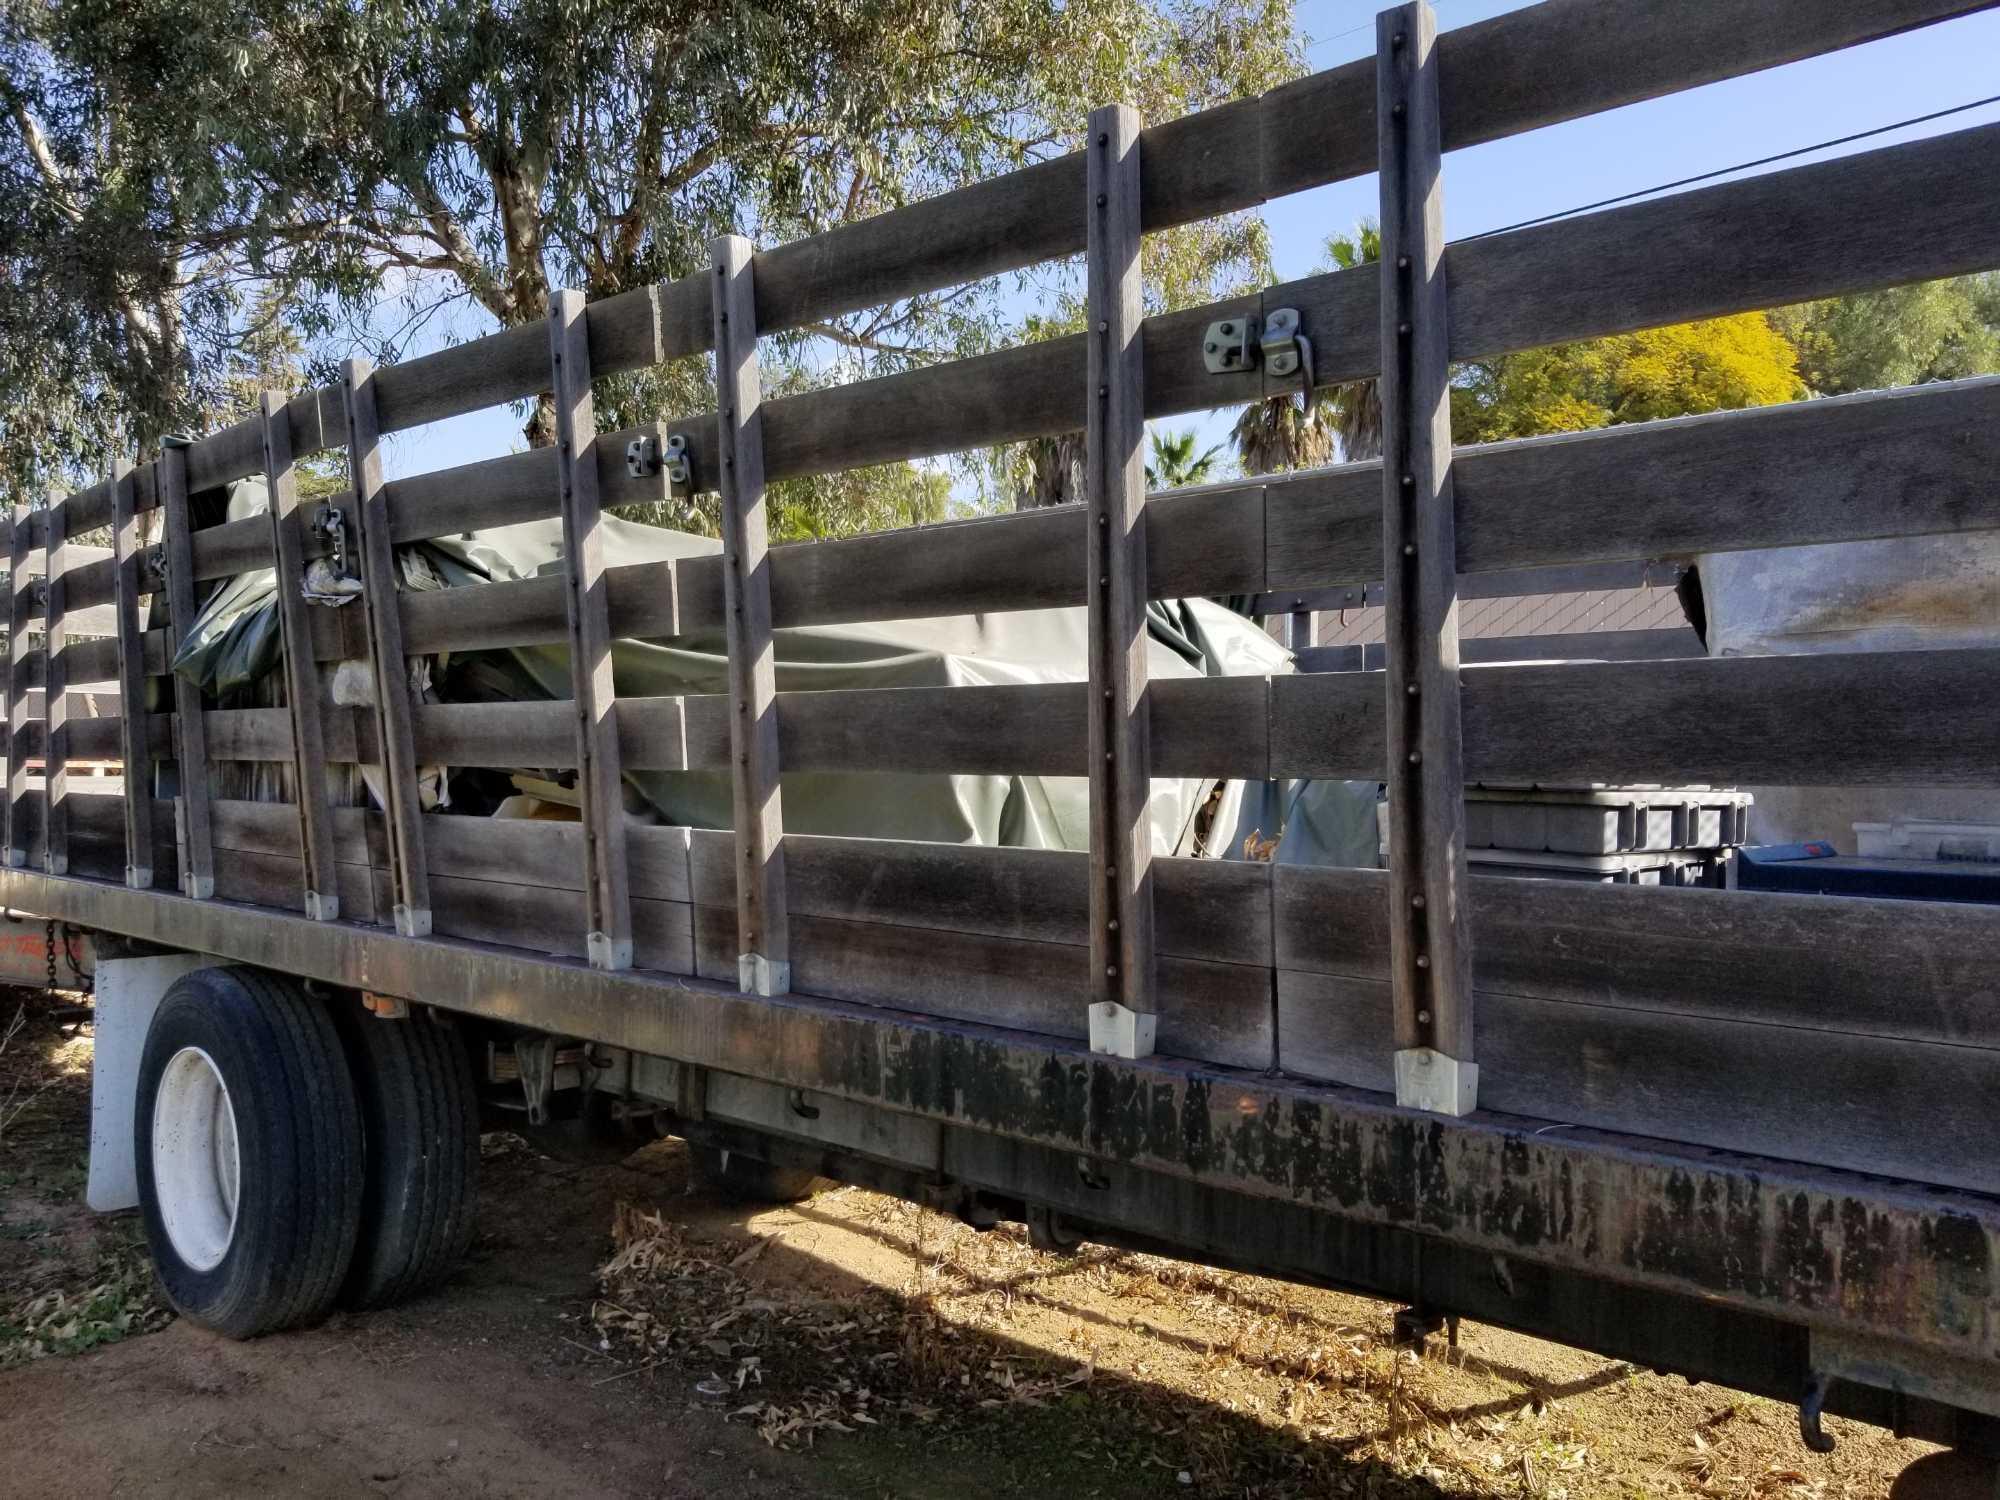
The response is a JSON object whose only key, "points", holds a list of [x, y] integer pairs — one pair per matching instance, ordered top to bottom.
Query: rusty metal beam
{"points": [[1810, 1246]]}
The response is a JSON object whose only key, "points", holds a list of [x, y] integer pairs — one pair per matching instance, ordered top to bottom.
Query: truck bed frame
{"points": [[1742, 1135]]}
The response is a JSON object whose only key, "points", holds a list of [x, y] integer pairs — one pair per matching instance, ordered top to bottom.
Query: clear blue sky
{"points": [[1543, 171]]}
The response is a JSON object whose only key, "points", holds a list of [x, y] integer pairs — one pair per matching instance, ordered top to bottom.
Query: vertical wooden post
{"points": [[125, 560], [21, 589], [55, 695], [395, 730], [600, 778], [193, 821], [322, 887], [763, 925], [1430, 944], [1122, 977]]}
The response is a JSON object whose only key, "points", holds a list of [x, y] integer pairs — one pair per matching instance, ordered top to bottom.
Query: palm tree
{"points": [[1284, 432], [1176, 464], [1050, 471]]}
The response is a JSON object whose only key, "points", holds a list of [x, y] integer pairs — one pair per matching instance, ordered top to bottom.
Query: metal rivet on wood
{"points": [[126, 561], [22, 595], [302, 679], [55, 695], [395, 702], [600, 779], [193, 820], [763, 925], [1430, 947], [1123, 995]]}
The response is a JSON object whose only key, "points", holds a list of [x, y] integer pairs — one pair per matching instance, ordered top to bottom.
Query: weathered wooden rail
{"points": [[1665, 1014]]}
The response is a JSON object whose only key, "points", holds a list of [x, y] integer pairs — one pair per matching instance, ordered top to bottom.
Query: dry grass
{"points": [[1133, 1373]]}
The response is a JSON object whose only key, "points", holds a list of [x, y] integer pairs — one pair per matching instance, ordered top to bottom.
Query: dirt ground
{"points": [[614, 1333]]}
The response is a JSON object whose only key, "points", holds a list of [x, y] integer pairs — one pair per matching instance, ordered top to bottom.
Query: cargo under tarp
{"points": [[234, 643]]}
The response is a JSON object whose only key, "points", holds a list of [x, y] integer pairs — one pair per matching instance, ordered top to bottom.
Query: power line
{"points": [[1368, 25], [1744, 166]]}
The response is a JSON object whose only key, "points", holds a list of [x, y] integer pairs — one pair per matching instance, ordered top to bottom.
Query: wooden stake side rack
{"points": [[1421, 992]]}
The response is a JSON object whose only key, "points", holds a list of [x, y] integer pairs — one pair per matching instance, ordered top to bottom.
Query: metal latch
{"points": [[1232, 345], [1284, 347], [646, 456], [330, 526]]}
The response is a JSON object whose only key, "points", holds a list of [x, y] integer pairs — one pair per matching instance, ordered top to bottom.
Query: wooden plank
{"points": [[1560, 60], [1563, 60], [1807, 232], [1772, 240], [1853, 468], [515, 487], [1204, 541], [127, 556], [1510, 583], [20, 597], [1675, 643], [387, 655], [97, 661], [55, 687], [82, 705], [1895, 718], [1918, 718], [537, 735], [600, 782], [197, 846], [507, 851], [277, 880], [321, 899], [1219, 910], [517, 912], [554, 921], [1430, 936], [763, 946], [1910, 970], [1913, 970], [1123, 992], [1217, 1012], [1702, 1080]]}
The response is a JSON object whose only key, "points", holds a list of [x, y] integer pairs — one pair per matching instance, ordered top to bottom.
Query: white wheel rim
{"points": [[196, 1169]]}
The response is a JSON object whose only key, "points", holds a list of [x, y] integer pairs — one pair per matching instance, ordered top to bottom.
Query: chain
{"points": [[80, 981]]}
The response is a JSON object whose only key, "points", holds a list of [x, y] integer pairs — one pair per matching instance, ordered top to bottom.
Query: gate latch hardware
{"points": [[1230, 345], [1233, 345], [1284, 347], [647, 456], [642, 457]]}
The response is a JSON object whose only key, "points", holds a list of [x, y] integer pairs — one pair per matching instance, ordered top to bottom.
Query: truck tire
{"points": [[420, 1135], [248, 1148], [744, 1179]]}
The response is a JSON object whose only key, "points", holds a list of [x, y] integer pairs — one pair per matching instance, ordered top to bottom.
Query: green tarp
{"points": [[234, 643]]}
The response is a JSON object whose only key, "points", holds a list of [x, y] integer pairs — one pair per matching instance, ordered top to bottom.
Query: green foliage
{"points": [[373, 165], [1936, 330], [1713, 365], [1285, 432], [1175, 463], [120, 1302]]}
